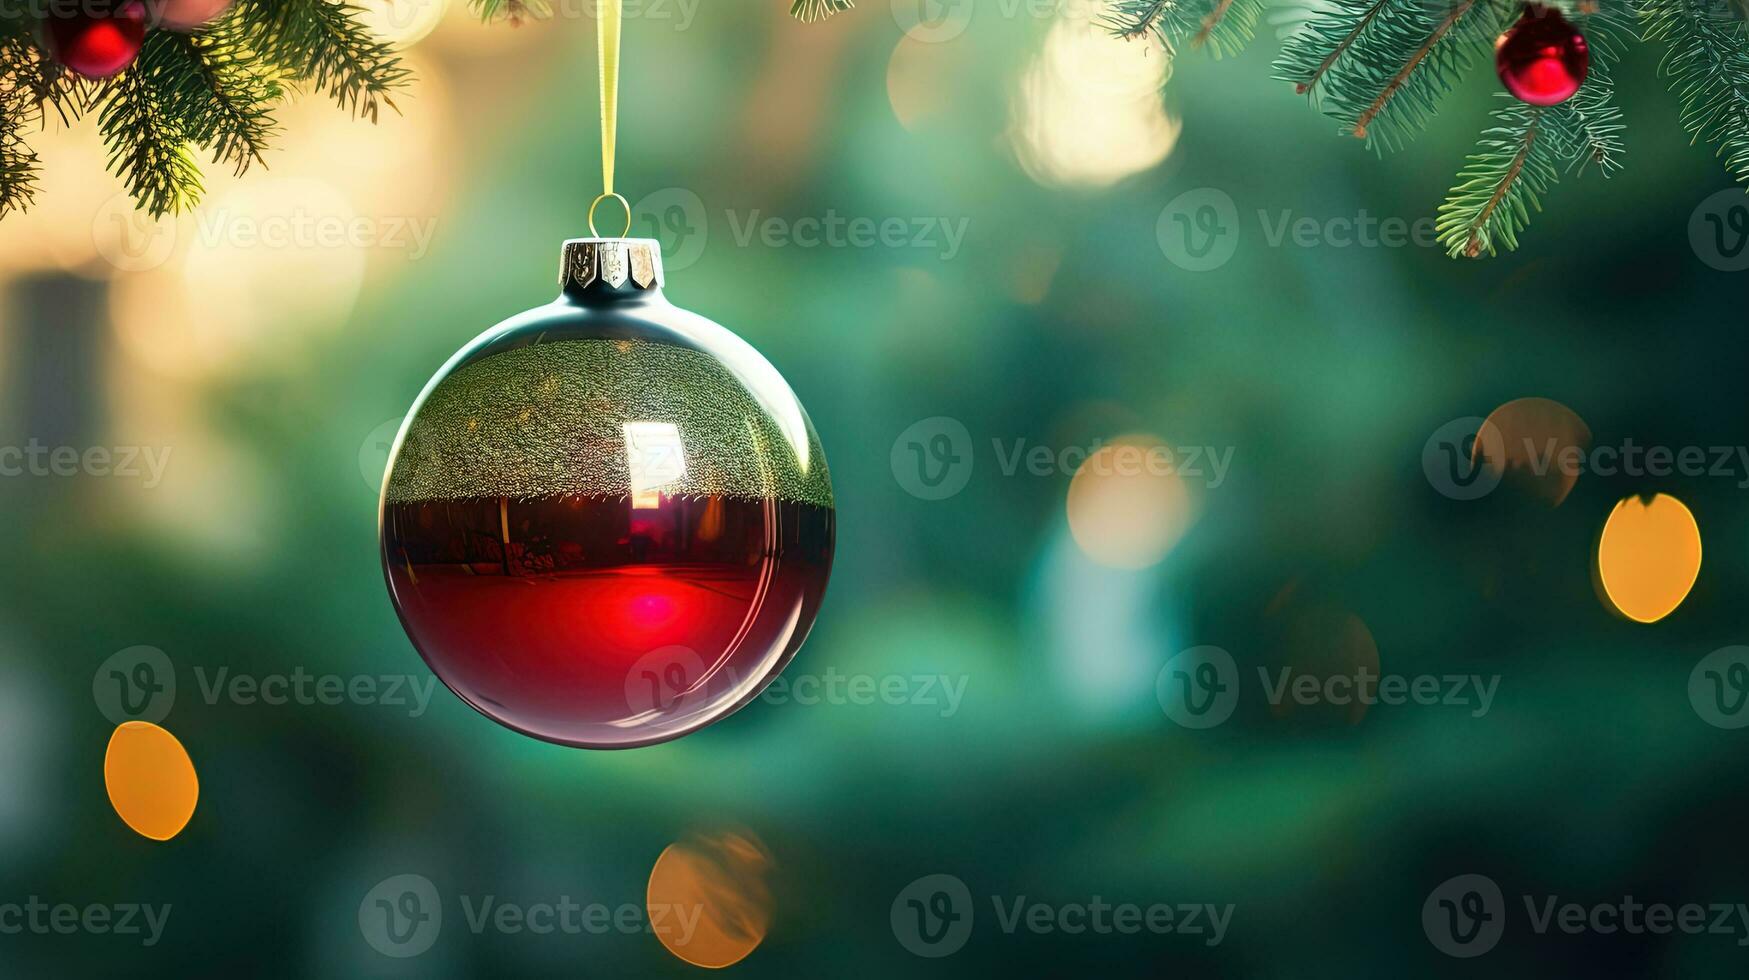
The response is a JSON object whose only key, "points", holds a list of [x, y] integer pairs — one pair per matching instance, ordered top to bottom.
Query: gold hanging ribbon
{"points": [[609, 14]]}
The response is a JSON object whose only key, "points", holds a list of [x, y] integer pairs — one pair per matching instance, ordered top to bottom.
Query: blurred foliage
{"points": [[1059, 323]]}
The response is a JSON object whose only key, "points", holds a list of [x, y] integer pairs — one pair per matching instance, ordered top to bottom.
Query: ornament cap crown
{"points": [[627, 265]]}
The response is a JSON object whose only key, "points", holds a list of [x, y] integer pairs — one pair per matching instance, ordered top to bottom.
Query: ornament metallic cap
{"points": [[619, 264]]}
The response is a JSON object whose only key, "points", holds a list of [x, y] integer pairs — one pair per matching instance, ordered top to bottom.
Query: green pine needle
{"points": [[809, 11], [1224, 27], [325, 43], [1381, 67], [1708, 67], [219, 91], [148, 145], [1502, 183]]}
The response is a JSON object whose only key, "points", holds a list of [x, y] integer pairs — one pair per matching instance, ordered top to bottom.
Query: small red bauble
{"points": [[96, 44], [1542, 59]]}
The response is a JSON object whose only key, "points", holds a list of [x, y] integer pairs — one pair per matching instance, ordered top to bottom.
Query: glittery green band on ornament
{"points": [[550, 419]]}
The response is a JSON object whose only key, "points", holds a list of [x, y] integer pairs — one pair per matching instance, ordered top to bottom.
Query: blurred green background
{"points": [[273, 374]]}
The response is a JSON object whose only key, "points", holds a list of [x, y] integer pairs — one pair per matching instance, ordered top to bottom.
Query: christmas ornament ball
{"points": [[188, 15], [95, 39], [1542, 60], [607, 522]]}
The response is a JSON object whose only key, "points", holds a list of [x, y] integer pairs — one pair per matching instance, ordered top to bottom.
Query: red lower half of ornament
{"points": [[607, 622]]}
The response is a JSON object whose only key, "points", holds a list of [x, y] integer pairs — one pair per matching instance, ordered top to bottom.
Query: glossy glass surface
{"points": [[595, 556]]}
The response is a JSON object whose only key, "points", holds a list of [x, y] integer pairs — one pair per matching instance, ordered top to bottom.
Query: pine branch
{"points": [[809, 11], [516, 12], [1222, 26], [324, 42], [1380, 67], [1708, 67], [218, 91], [1592, 115], [148, 148], [1518, 162], [18, 170]]}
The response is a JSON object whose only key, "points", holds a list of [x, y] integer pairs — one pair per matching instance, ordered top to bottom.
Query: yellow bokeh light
{"points": [[401, 23], [1088, 110], [1127, 504], [1648, 557], [150, 779], [712, 893]]}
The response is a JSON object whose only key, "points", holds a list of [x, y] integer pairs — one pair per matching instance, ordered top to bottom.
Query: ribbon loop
{"points": [[609, 14]]}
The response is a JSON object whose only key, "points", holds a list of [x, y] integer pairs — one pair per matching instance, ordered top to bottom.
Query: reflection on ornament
{"points": [[1541, 59], [1127, 504], [607, 521], [1648, 557], [150, 779], [719, 881]]}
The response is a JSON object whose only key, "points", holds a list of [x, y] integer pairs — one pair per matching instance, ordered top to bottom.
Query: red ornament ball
{"points": [[96, 42], [1542, 59], [607, 522]]}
